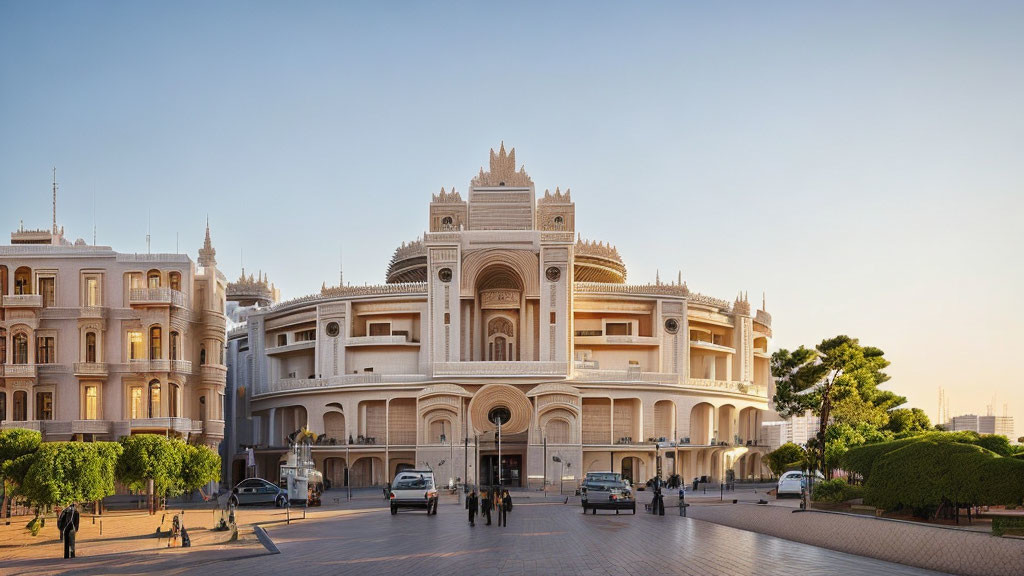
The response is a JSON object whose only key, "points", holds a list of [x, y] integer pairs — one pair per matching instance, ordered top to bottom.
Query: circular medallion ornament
{"points": [[553, 273], [445, 275], [671, 326], [333, 329], [499, 413]]}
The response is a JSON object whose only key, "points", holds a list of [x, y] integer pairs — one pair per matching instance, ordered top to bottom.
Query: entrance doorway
{"points": [[511, 470]]}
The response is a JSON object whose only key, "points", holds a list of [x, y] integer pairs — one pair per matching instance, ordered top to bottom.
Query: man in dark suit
{"points": [[67, 524]]}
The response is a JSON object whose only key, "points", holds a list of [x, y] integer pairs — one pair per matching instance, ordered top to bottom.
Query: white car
{"points": [[790, 482], [414, 489]]}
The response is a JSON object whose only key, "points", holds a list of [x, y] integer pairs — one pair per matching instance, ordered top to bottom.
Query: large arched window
{"points": [[174, 279], [155, 343], [3, 346], [90, 347], [21, 348], [154, 399], [172, 400], [3, 406], [20, 406]]}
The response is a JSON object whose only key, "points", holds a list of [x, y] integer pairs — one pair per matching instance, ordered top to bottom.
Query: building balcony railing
{"points": [[156, 297], [23, 301], [92, 312], [399, 340], [598, 340], [711, 346], [293, 347], [146, 365], [181, 366], [96, 369], [498, 369], [19, 371], [213, 374], [632, 374], [293, 384], [730, 386], [26, 424], [180, 425], [90, 427], [214, 428]]}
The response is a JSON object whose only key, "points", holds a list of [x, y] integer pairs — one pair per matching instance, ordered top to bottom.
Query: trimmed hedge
{"points": [[861, 459], [923, 475], [836, 491], [1002, 525]]}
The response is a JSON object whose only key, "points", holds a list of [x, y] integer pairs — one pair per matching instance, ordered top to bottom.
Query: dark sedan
{"points": [[258, 491]]}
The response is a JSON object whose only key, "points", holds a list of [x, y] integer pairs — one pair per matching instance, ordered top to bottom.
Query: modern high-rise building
{"points": [[502, 313], [96, 344], [1002, 425]]}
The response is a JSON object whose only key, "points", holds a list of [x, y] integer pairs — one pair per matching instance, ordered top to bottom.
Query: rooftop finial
{"points": [[207, 255], [764, 306]]}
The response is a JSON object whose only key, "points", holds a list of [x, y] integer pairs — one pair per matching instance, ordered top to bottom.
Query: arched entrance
{"points": [[499, 292], [335, 471]]}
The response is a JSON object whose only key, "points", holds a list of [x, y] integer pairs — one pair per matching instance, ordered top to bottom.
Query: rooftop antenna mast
{"points": [[54, 199], [94, 217], [149, 221], [341, 265]]}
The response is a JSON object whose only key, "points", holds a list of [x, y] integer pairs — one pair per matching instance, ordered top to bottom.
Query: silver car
{"points": [[258, 491]]}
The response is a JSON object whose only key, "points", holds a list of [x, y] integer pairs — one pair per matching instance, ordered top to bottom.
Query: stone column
{"points": [[270, 427]]}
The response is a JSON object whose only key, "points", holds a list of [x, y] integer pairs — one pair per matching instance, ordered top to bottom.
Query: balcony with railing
{"points": [[156, 297], [23, 301], [92, 312], [587, 338], [391, 340], [712, 346], [293, 347], [145, 365], [181, 366], [91, 369], [499, 369], [20, 370], [586, 371], [213, 373], [300, 384], [748, 388], [26, 424], [180, 425], [214, 428]]}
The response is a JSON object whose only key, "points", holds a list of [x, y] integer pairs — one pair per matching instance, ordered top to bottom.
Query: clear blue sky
{"points": [[863, 162]]}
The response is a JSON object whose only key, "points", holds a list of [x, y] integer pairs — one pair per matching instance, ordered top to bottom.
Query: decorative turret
{"points": [[503, 171], [207, 254], [249, 290], [741, 305]]}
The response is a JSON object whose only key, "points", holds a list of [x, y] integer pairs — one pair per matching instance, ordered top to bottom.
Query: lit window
{"points": [[48, 290], [92, 291], [155, 343], [90, 347], [135, 349], [154, 399], [138, 403], [91, 404], [44, 405]]}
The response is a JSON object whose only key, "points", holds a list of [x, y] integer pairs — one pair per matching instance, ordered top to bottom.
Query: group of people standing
{"points": [[489, 499]]}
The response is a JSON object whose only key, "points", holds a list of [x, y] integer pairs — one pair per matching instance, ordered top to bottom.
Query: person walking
{"points": [[485, 503], [472, 504], [504, 506], [67, 523], [175, 531]]}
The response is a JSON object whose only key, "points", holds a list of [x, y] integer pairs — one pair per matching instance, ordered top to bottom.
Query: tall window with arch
{"points": [[153, 279], [175, 341], [155, 343], [3, 346], [90, 347], [20, 348], [202, 355], [154, 399], [172, 400], [138, 403], [91, 405], [20, 406]]}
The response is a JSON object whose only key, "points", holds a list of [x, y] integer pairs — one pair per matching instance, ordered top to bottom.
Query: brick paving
{"points": [[542, 538]]}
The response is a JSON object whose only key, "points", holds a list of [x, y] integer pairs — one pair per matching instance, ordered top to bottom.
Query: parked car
{"points": [[790, 482], [414, 489], [258, 491], [606, 491]]}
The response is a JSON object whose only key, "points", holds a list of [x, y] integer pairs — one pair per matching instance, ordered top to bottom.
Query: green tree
{"points": [[838, 381], [905, 421], [996, 443], [17, 445], [149, 457], [785, 457], [199, 466], [65, 472]]}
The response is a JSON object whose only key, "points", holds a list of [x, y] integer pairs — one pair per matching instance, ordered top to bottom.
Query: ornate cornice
{"points": [[503, 171]]}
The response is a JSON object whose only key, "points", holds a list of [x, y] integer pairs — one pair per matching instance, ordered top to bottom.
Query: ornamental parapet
{"points": [[410, 288], [156, 296], [23, 301], [91, 369], [497, 369], [628, 375], [298, 384], [748, 388]]}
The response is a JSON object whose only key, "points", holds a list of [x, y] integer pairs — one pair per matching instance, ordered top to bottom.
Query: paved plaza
{"points": [[542, 538]]}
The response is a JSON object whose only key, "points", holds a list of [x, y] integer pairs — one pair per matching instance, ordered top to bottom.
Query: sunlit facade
{"points": [[502, 308]]}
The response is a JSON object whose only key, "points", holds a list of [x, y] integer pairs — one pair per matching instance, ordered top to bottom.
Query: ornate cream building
{"points": [[502, 309], [96, 344]]}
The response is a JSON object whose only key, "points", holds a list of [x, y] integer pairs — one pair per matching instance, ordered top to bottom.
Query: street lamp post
{"points": [[559, 460]]}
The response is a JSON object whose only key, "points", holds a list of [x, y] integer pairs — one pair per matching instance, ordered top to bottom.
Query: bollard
{"points": [[682, 509], [101, 527]]}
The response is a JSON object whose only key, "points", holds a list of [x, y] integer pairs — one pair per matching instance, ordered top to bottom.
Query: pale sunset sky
{"points": [[860, 163]]}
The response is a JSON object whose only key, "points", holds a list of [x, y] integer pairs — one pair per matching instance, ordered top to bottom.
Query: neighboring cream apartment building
{"points": [[501, 312], [96, 345]]}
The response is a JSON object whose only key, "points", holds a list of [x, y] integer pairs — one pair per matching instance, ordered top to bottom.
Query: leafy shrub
{"points": [[996, 443], [860, 460], [836, 491], [1002, 525]]}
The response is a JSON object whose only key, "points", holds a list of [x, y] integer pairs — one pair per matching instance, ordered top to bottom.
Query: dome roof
{"points": [[598, 262], [408, 264]]}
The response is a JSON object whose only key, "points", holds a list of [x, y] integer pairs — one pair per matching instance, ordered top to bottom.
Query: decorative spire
{"points": [[54, 199], [207, 254], [657, 277], [679, 282], [764, 306]]}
